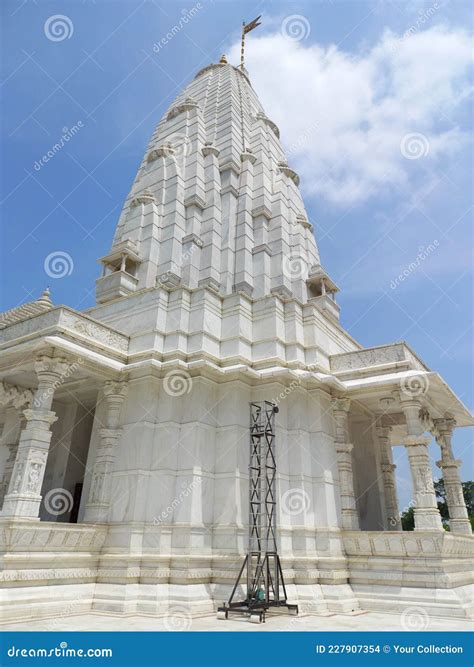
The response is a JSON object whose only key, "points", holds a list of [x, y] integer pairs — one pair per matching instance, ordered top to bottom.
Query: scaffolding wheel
{"points": [[222, 615], [256, 618]]}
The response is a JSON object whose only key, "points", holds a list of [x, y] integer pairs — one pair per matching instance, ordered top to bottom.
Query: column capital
{"points": [[48, 365], [51, 372], [117, 388], [114, 395], [409, 400], [342, 404], [46, 417], [445, 425], [383, 431], [112, 433], [413, 440], [344, 447], [450, 463]]}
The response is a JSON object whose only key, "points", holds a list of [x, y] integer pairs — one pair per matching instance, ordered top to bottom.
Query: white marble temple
{"points": [[124, 450]]}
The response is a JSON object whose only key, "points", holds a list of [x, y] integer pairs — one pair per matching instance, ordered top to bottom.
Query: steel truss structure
{"points": [[261, 569]]}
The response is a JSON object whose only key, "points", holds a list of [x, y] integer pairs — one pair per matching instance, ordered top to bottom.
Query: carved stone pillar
{"points": [[12, 398], [9, 439], [388, 475], [24, 491], [97, 507], [349, 516], [427, 516], [458, 518]]}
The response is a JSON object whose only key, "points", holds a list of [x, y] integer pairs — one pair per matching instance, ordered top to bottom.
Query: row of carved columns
{"points": [[27, 434], [426, 512]]}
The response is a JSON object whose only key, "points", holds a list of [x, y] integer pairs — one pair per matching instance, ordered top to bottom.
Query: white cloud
{"points": [[343, 116]]}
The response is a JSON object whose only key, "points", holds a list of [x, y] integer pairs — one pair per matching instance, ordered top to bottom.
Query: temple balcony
{"points": [[120, 267], [115, 285], [322, 291], [327, 305]]}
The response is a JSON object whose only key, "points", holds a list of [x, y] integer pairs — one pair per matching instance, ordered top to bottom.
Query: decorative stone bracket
{"points": [[15, 396]]}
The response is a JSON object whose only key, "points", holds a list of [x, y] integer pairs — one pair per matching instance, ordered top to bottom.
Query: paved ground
{"points": [[364, 621]]}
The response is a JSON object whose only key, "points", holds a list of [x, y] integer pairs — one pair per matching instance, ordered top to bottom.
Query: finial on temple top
{"points": [[245, 29]]}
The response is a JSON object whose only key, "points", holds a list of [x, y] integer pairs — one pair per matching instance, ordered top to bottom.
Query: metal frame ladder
{"points": [[261, 568]]}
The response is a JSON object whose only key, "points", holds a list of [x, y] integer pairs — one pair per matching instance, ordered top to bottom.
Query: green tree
{"points": [[408, 519]]}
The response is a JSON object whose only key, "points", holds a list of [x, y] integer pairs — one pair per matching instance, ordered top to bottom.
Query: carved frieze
{"points": [[94, 330], [386, 354], [15, 396]]}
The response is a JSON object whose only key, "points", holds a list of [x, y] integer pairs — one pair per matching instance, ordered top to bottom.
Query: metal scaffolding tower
{"points": [[261, 569]]}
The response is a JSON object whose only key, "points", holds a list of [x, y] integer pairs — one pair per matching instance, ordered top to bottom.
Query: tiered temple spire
{"points": [[215, 201]]}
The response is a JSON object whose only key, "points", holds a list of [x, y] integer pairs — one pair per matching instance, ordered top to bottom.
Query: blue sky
{"points": [[374, 104]]}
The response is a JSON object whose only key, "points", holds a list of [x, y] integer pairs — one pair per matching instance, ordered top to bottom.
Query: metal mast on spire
{"points": [[245, 29], [265, 586]]}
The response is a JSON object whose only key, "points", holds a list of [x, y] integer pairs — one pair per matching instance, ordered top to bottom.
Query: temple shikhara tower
{"points": [[125, 444]]}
